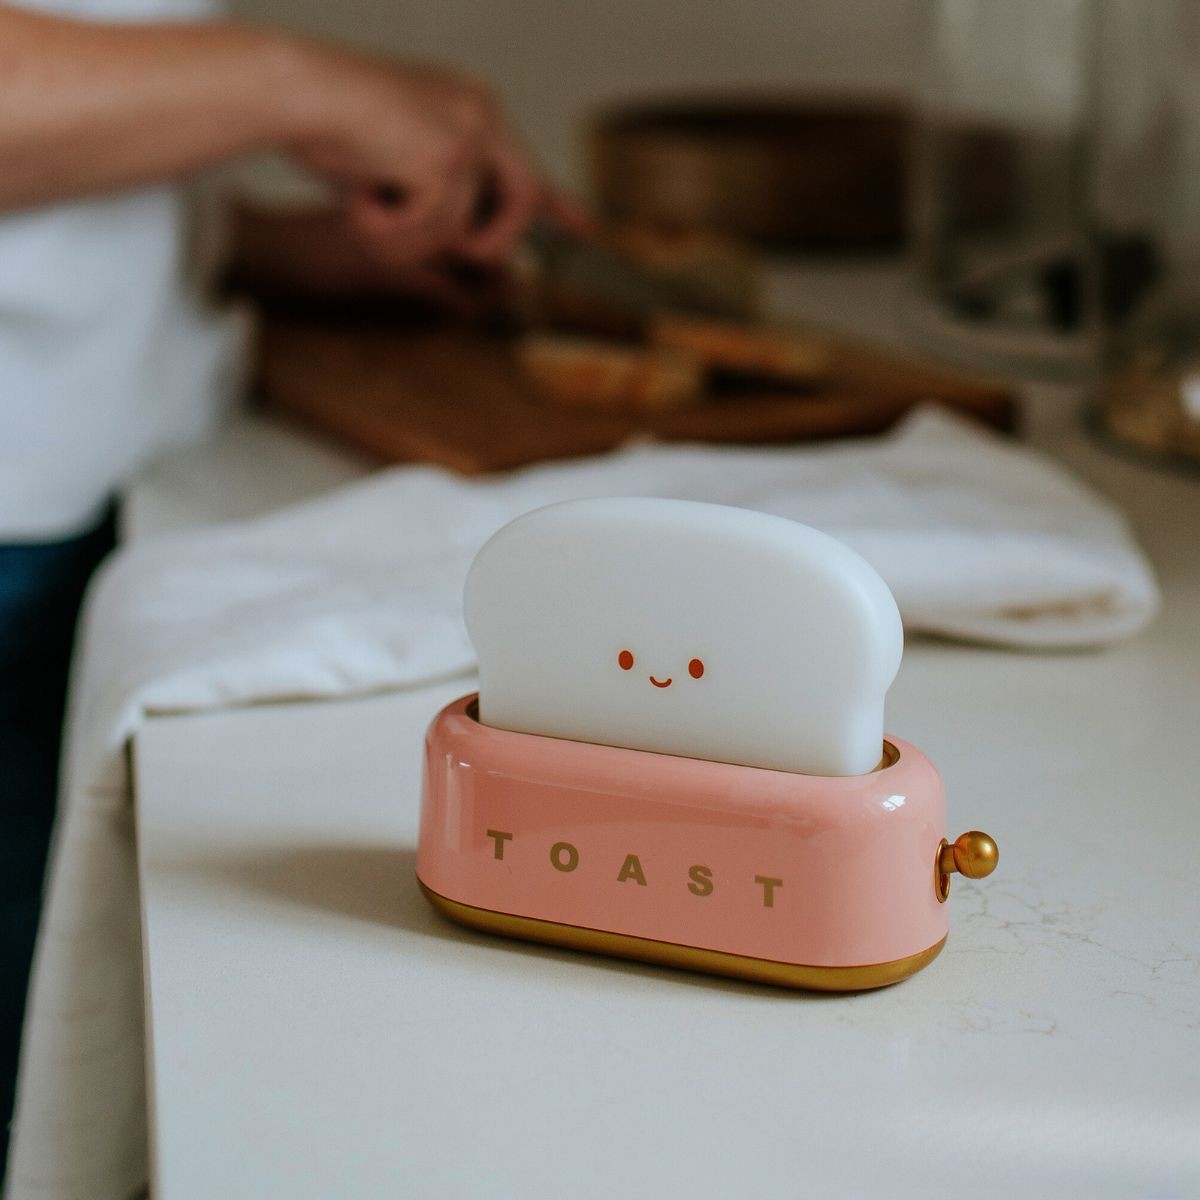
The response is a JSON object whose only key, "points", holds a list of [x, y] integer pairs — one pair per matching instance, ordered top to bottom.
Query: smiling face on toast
{"points": [[684, 628], [626, 661]]}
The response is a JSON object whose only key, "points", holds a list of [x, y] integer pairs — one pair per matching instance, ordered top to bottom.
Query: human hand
{"points": [[426, 164], [316, 256]]}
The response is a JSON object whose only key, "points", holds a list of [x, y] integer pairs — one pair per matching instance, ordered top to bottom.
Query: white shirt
{"points": [[108, 352]]}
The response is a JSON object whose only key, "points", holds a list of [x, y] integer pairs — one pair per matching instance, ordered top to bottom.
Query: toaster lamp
{"points": [[677, 755]]}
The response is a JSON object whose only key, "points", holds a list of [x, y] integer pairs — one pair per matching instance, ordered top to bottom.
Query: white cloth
{"points": [[107, 351], [360, 591]]}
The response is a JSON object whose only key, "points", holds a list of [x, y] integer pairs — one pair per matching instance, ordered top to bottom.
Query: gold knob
{"points": [[973, 854]]}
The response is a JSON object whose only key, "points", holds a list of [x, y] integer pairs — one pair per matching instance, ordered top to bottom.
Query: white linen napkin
{"points": [[978, 538]]}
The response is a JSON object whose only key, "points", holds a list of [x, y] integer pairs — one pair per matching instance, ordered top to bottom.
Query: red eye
{"points": [[625, 660], [695, 668]]}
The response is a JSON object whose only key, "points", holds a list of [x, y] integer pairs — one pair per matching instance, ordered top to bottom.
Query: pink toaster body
{"points": [[828, 883]]}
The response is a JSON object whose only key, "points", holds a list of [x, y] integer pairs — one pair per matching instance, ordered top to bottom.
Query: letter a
{"points": [[632, 869]]}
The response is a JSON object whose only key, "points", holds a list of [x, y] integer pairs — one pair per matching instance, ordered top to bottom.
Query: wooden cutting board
{"points": [[458, 400]]}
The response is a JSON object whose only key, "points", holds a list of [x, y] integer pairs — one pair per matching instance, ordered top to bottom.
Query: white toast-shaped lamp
{"points": [[685, 628], [677, 752]]}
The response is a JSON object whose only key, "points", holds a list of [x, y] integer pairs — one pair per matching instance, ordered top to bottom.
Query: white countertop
{"points": [[317, 1031]]}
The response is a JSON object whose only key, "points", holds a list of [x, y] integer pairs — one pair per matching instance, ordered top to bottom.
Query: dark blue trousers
{"points": [[41, 586]]}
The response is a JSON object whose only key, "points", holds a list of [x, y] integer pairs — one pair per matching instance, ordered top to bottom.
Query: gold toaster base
{"points": [[691, 958]]}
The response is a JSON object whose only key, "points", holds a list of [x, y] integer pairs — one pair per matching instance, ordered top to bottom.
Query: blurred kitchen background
{"points": [[556, 62], [1028, 170]]}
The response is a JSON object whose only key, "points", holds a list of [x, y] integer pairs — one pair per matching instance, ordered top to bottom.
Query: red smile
{"points": [[657, 684]]}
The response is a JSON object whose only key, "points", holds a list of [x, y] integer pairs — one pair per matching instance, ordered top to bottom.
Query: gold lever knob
{"points": [[972, 854]]}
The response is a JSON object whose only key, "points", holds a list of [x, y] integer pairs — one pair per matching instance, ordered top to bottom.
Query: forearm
{"points": [[87, 108], [409, 150]]}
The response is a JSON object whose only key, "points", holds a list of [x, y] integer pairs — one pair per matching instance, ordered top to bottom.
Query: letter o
{"points": [[557, 853]]}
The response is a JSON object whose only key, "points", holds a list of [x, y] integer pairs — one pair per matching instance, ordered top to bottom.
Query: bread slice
{"points": [[742, 351], [591, 373]]}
